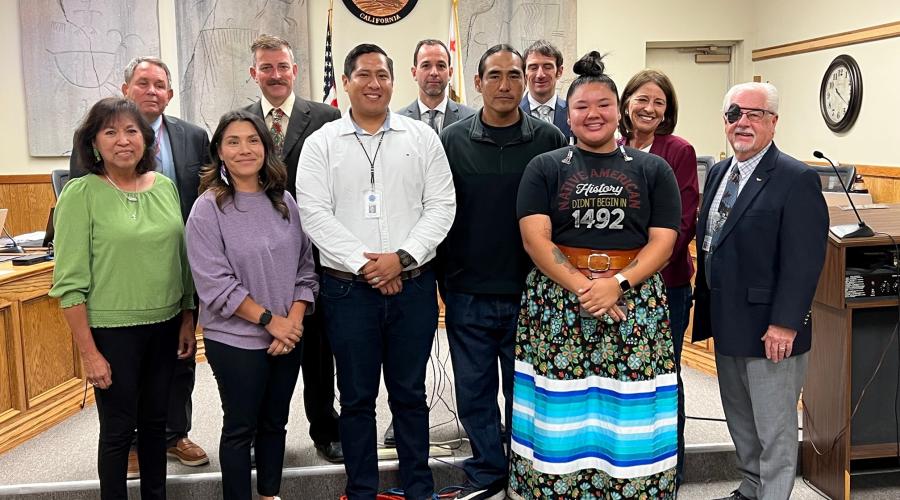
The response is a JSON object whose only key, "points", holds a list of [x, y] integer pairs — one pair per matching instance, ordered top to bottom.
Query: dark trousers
{"points": [[680, 301], [368, 330], [481, 330], [142, 360], [318, 381], [256, 390], [178, 424]]}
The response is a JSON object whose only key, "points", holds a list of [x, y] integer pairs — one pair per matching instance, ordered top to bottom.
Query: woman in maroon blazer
{"points": [[649, 111]]}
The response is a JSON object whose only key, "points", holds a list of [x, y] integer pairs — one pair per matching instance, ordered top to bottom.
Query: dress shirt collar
{"points": [[533, 103], [287, 106], [442, 106], [156, 124], [349, 126], [749, 165]]}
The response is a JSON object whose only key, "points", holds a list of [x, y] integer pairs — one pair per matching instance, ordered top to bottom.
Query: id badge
{"points": [[372, 205], [707, 242]]}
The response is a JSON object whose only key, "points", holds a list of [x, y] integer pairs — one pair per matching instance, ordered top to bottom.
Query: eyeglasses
{"points": [[754, 115]]}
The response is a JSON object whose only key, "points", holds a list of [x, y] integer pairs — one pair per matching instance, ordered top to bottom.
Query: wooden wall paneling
{"points": [[870, 34], [883, 182], [28, 198], [48, 347], [8, 406]]}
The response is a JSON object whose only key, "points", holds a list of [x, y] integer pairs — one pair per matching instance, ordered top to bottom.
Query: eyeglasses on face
{"points": [[754, 115]]}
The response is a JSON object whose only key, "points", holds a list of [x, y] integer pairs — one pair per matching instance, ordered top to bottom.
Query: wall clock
{"points": [[840, 95]]}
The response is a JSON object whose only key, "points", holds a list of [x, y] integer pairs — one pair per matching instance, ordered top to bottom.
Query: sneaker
{"points": [[188, 453], [134, 469], [469, 491]]}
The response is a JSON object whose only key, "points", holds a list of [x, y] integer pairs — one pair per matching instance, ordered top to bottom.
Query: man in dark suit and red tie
{"points": [[291, 119], [761, 245]]}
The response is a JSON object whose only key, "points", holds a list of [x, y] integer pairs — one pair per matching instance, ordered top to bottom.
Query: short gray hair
{"points": [[270, 42], [129, 70], [769, 89]]}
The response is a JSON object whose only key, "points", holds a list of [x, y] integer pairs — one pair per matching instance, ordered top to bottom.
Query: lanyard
{"points": [[372, 159]]}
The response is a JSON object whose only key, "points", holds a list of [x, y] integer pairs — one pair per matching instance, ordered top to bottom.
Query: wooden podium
{"points": [[849, 337]]}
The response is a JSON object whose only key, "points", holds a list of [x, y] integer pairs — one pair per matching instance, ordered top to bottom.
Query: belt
{"points": [[598, 263], [404, 275]]}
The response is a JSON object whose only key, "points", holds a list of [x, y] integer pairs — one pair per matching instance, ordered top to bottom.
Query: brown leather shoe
{"points": [[188, 453], [134, 470]]}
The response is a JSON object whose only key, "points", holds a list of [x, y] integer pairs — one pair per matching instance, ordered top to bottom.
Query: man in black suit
{"points": [[543, 68], [432, 71], [291, 120], [181, 150], [761, 238]]}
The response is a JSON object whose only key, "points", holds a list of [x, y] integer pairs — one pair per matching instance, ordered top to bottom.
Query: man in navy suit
{"points": [[543, 67], [274, 70], [432, 71], [182, 148], [761, 238]]}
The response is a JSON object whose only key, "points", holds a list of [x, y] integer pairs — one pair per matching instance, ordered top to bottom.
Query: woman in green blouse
{"points": [[123, 281]]}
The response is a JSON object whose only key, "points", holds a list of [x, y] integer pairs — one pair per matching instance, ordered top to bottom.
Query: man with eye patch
{"points": [[761, 245]]}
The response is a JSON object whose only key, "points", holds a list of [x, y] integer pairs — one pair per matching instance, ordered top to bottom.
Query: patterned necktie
{"points": [[545, 113], [432, 120], [277, 130], [725, 205]]}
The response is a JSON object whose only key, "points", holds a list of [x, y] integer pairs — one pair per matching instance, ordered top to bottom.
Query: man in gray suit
{"points": [[543, 68], [432, 71], [291, 119], [181, 150]]}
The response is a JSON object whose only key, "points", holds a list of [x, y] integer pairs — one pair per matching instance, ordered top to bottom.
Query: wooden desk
{"points": [[849, 336], [40, 370]]}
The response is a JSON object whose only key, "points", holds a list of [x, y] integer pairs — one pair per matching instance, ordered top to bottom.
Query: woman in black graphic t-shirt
{"points": [[595, 395]]}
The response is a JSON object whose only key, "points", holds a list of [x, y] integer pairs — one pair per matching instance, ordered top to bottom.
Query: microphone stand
{"points": [[843, 231]]}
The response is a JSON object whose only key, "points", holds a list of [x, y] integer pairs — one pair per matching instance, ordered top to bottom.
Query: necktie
{"points": [[545, 113], [432, 119], [277, 130], [725, 205]]}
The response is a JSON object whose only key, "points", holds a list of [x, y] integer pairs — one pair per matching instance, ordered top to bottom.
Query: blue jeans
{"points": [[680, 301], [367, 330], [481, 330]]}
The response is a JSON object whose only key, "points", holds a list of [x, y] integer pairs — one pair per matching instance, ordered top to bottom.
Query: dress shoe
{"points": [[389, 440], [333, 452], [188, 453], [134, 469], [735, 495]]}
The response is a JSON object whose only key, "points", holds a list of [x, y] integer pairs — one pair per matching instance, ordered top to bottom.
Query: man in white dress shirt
{"points": [[432, 71], [376, 198]]}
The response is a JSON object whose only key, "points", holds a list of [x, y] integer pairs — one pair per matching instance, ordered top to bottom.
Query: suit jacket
{"points": [[455, 112], [560, 115], [306, 118], [190, 152], [767, 263]]}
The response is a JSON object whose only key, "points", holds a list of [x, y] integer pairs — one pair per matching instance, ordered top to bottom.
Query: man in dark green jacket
{"points": [[483, 263]]}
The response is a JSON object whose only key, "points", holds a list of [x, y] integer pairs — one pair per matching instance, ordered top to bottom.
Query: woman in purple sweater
{"points": [[649, 112], [253, 268]]}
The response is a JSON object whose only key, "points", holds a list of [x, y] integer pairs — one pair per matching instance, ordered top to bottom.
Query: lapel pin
{"points": [[759, 179]]}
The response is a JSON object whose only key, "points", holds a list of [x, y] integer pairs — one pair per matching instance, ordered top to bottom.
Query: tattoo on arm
{"points": [[562, 260], [633, 263]]}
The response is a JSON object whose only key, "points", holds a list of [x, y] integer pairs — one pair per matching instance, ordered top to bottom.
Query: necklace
{"points": [[129, 198]]}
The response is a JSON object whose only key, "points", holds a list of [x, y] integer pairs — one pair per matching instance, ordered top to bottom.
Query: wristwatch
{"points": [[406, 259], [623, 282], [265, 318]]}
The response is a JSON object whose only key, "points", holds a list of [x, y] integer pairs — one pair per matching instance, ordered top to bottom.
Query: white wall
{"points": [[875, 138]]}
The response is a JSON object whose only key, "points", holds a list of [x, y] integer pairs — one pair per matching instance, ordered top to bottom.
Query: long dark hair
{"points": [[590, 70], [102, 114], [670, 117], [272, 175]]}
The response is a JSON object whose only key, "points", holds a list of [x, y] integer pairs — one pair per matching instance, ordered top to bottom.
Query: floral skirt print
{"points": [[595, 402]]}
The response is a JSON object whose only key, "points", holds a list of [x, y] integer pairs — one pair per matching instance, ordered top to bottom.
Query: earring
{"points": [[96, 155], [223, 174]]}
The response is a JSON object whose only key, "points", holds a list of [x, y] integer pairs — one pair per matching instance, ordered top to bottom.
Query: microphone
{"points": [[847, 230], [16, 248]]}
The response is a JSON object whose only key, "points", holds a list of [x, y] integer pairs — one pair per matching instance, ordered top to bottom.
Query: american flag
{"points": [[457, 83], [330, 89]]}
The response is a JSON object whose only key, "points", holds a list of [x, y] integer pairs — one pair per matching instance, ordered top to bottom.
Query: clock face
{"points": [[838, 93], [840, 96]]}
